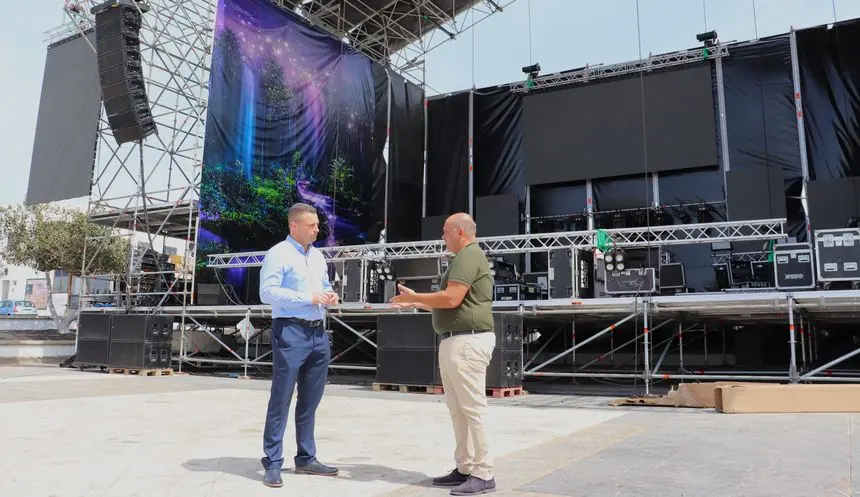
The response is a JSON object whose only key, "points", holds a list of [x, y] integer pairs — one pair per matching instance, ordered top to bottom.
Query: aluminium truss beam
{"points": [[590, 73], [768, 229]]}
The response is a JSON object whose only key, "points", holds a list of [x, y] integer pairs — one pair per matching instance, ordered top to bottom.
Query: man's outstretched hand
{"points": [[405, 299]]}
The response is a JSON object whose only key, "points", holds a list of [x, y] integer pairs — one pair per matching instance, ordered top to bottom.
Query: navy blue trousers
{"points": [[301, 356]]}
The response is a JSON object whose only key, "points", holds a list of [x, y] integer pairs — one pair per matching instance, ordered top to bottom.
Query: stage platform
{"points": [[727, 307]]}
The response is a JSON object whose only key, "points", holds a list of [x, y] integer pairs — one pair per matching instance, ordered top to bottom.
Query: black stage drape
{"points": [[380, 85], [830, 85], [761, 120], [498, 142], [448, 155], [406, 157], [684, 194]]}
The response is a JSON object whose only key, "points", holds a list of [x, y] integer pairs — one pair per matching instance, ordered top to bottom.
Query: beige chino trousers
{"points": [[463, 361]]}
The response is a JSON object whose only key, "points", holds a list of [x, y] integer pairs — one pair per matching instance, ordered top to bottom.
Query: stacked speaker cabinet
{"points": [[118, 24], [94, 339], [125, 341], [141, 341], [406, 350], [506, 365]]}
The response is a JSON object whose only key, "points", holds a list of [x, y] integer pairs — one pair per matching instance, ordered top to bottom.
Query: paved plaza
{"points": [[68, 433]]}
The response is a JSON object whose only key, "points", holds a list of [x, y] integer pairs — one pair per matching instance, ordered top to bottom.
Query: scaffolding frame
{"points": [[150, 188]]}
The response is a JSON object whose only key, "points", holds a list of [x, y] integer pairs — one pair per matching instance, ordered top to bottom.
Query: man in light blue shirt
{"points": [[294, 280]]}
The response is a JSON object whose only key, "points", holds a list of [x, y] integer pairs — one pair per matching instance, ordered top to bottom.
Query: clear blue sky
{"points": [[564, 34]]}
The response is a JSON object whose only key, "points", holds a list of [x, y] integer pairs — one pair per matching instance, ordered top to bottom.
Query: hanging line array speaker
{"points": [[118, 25]]}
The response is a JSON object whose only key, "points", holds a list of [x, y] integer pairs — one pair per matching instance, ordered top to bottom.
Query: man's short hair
{"points": [[298, 209]]}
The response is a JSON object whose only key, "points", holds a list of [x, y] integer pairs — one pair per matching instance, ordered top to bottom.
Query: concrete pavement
{"points": [[68, 433]]}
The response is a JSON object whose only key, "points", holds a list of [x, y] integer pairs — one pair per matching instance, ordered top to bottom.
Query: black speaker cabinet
{"points": [[118, 24], [560, 274], [351, 281], [96, 326], [142, 328], [406, 331], [509, 331], [93, 351], [139, 355], [407, 366], [505, 369]]}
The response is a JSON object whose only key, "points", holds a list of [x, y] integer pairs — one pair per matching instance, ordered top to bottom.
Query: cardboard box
{"points": [[778, 398]]}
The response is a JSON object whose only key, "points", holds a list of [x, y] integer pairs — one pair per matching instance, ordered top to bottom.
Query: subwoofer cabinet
{"points": [[125, 341], [140, 355], [407, 367], [505, 369]]}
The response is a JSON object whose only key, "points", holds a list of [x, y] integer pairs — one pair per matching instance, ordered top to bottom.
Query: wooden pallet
{"points": [[142, 372], [431, 389], [505, 392]]}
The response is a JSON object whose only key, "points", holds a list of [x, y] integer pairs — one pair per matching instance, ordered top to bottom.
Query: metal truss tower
{"points": [[149, 193]]}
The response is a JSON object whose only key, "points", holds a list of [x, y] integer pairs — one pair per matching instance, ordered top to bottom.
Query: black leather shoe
{"points": [[317, 468], [272, 478], [452, 479], [475, 486]]}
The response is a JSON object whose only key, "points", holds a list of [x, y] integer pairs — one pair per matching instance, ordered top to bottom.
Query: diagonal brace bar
{"points": [[350, 328], [606, 330], [832, 363]]}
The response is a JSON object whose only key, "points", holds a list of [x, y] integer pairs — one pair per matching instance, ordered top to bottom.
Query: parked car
{"points": [[17, 308]]}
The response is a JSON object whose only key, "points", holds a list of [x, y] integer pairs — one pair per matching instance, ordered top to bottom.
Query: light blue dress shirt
{"points": [[289, 278]]}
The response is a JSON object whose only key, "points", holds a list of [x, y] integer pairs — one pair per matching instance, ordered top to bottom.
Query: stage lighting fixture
{"points": [[707, 38], [532, 71], [615, 260]]}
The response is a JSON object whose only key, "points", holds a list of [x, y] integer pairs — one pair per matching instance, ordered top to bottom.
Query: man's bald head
{"points": [[464, 222], [459, 230]]}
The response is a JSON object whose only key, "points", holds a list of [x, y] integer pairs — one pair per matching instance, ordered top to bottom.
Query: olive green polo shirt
{"points": [[469, 267]]}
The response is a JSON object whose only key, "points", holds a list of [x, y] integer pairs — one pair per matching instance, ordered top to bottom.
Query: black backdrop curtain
{"points": [[830, 84], [380, 85], [760, 117], [498, 142], [448, 155], [406, 161], [683, 194]]}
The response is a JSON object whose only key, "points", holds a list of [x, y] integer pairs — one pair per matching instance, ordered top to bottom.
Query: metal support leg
{"points": [[604, 331], [247, 337], [573, 339], [647, 344], [681, 346], [802, 346], [792, 366]]}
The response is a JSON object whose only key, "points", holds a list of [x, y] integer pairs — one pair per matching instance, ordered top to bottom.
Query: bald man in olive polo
{"points": [[463, 315]]}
